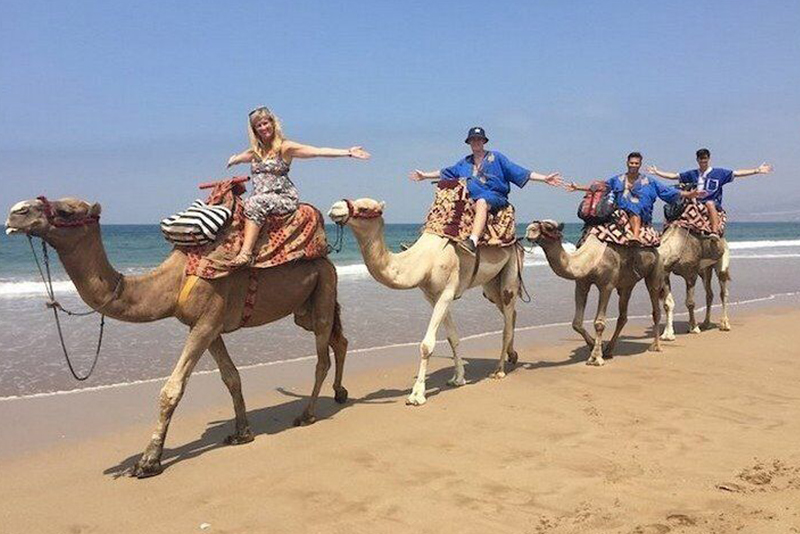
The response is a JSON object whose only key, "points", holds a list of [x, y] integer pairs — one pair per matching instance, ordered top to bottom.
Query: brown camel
{"points": [[689, 255], [609, 267], [443, 272], [306, 289]]}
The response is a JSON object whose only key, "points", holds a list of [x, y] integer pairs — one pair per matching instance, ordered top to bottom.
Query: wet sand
{"points": [[699, 438]]}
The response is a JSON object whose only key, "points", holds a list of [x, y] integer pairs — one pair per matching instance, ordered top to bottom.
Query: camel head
{"points": [[356, 212], [56, 221], [547, 230]]}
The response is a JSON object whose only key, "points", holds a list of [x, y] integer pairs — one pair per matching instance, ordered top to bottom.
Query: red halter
{"points": [[360, 213], [51, 216]]}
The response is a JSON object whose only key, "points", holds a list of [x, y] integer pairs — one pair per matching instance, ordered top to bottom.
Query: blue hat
{"points": [[476, 131]]}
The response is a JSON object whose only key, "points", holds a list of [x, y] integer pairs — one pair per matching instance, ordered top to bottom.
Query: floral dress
{"points": [[273, 191]]}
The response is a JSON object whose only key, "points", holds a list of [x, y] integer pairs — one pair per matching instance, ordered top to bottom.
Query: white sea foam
{"points": [[358, 271]]}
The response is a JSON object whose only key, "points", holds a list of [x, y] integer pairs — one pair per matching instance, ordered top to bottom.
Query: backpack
{"points": [[598, 204], [198, 225]]}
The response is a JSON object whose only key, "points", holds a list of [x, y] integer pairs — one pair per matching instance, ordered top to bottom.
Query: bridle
{"points": [[352, 213], [360, 213], [50, 215], [52, 303]]}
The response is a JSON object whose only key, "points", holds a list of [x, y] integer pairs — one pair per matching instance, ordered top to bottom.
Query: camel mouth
{"points": [[338, 212], [11, 230]]}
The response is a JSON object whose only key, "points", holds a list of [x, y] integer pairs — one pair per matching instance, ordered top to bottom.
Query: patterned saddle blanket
{"points": [[453, 211], [695, 219], [618, 232], [284, 238]]}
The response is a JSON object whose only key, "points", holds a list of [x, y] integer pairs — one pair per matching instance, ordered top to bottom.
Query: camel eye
{"points": [[64, 214]]}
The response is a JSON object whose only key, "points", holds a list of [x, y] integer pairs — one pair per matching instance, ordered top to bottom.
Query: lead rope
{"points": [[338, 240], [524, 296], [55, 306]]}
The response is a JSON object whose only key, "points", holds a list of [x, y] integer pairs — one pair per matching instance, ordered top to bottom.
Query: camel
{"points": [[688, 256], [607, 266], [443, 272], [306, 289]]}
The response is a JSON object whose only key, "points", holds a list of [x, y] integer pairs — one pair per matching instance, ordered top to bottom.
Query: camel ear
{"points": [[382, 205], [95, 209]]}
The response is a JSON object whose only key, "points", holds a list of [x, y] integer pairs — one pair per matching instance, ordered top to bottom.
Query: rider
{"points": [[489, 176]]}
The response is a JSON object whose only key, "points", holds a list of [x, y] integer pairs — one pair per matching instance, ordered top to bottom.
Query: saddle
{"points": [[453, 211], [695, 219], [618, 231], [283, 238]]}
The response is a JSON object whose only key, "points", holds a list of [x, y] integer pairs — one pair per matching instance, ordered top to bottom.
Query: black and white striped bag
{"points": [[198, 225]]}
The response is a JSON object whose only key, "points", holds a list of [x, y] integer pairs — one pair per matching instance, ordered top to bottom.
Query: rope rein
{"points": [[54, 305]]}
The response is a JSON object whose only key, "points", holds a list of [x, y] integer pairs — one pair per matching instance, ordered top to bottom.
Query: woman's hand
{"points": [[358, 152], [232, 160]]}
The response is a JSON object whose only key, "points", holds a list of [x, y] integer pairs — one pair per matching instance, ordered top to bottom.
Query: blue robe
{"points": [[492, 182], [641, 198]]}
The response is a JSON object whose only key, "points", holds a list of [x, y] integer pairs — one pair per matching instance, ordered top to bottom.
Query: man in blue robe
{"points": [[489, 176]]}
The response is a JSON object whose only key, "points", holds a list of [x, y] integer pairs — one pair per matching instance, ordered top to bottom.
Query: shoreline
{"points": [[439, 343], [687, 440]]}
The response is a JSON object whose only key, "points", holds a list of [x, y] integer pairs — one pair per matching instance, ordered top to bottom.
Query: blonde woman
{"points": [[270, 156]]}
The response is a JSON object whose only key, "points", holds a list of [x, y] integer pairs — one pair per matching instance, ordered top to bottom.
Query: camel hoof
{"points": [[725, 325], [706, 326], [695, 330], [667, 337], [654, 347], [513, 358], [597, 362], [497, 375], [456, 382], [340, 396], [415, 400], [305, 420], [240, 438], [146, 469]]}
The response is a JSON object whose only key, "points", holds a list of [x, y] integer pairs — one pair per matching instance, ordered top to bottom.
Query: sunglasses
{"points": [[260, 108]]}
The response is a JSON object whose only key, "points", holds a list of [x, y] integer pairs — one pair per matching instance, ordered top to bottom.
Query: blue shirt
{"points": [[492, 182], [711, 183], [642, 196]]}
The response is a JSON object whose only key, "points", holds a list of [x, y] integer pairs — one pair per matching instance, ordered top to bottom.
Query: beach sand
{"points": [[699, 438]]}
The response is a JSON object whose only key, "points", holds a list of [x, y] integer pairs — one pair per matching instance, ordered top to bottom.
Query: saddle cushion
{"points": [[453, 211], [695, 218], [618, 232], [284, 238]]}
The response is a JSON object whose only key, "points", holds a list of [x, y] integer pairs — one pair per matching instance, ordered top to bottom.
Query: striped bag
{"points": [[198, 225]]}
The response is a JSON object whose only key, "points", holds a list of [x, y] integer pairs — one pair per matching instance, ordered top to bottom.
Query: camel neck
{"points": [[576, 265], [391, 270], [103, 288]]}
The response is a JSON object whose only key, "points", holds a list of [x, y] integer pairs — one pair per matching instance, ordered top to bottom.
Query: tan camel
{"points": [[688, 256], [609, 267], [443, 272], [306, 289]]}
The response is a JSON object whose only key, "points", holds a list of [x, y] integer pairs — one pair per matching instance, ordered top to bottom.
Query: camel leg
{"points": [[706, 275], [724, 277], [690, 282], [656, 288], [581, 294], [624, 299], [440, 309], [669, 309], [325, 318], [200, 338], [453, 339], [339, 345], [596, 358], [458, 363], [230, 376]]}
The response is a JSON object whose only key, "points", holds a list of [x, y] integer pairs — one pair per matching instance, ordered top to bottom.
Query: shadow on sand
{"points": [[280, 418]]}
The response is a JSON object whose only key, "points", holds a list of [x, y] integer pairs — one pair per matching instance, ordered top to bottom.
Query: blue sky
{"points": [[133, 103]]}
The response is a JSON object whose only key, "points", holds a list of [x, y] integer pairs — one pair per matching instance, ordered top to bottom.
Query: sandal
{"points": [[244, 258]]}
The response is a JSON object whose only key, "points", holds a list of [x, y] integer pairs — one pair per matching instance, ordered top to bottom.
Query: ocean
{"points": [[765, 261]]}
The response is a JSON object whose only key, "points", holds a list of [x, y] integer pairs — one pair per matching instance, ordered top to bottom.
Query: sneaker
{"points": [[468, 246]]}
